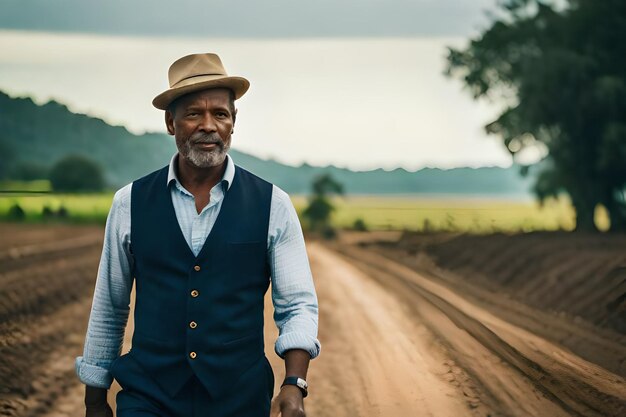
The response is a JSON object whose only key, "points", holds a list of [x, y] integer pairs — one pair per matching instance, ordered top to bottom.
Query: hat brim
{"points": [[239, 85]]}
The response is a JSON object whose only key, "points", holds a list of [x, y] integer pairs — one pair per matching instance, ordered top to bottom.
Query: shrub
{"points": [[76, 173], [16, 212], [47, 212], [359, 224]]}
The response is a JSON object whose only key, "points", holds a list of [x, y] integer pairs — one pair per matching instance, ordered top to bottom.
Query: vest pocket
{"points": [[244, 243], [247, 247], [241, 340]]}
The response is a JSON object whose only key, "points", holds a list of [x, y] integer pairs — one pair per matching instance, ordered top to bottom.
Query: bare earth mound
{"points": [[568, 287]]}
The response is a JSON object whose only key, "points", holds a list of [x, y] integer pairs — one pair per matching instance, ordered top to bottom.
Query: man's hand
{"points": [[96, 402], [288, 403]]}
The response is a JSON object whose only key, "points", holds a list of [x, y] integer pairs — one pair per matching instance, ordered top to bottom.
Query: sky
{"points": [[245, 18], [353, 84]]}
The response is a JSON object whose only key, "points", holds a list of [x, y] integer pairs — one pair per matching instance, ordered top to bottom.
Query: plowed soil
{"points": [[570, 288], [411, 326]]}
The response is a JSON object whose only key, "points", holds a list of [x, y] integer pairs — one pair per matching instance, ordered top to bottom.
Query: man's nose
{"points": [[207, 123]]}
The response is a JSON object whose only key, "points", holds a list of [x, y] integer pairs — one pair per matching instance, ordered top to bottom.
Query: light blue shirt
{"points": [[293, 292]]}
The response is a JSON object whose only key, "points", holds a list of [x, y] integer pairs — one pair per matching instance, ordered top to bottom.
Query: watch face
{"points": [[302, 383]]}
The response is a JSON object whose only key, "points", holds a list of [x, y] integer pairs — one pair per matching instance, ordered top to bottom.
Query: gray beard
{"points": [[205, 159]]}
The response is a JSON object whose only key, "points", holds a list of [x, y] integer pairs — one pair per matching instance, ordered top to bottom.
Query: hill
{"points": [[40, 135]]}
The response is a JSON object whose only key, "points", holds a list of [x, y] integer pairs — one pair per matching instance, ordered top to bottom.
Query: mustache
{"points": [[200, 137]]}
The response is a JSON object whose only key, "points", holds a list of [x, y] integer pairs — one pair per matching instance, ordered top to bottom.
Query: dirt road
{"points": [[395, 342], [492, 367]]}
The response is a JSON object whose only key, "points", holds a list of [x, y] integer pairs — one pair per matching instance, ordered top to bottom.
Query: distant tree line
{"points": [[562, 71], [33, 137], [73, 173]]}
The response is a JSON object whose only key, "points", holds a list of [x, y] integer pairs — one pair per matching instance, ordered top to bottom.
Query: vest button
{"points": [[196, 268], [194, 293], [193, 324], [192, 355]]}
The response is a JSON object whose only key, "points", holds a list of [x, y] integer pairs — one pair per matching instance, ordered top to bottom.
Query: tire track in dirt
{"points": [[599, 345], [376, 359], [575, 386]]}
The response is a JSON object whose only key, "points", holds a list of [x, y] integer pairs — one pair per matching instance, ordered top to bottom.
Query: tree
{"points": [[562, 73], [6, 157], [76, 173], [319, 209]]}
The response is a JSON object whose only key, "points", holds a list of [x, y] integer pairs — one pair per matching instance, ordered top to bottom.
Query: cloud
{"points": [[266, 19]]}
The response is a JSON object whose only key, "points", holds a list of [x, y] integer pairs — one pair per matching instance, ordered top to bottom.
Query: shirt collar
{"points": [[229, 172]]}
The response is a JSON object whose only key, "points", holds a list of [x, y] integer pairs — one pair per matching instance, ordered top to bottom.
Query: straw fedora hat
{"points": [[198, 72]]}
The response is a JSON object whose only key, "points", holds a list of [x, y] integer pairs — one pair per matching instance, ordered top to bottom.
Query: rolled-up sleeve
{"points": [[293, 291], [111, 301]]}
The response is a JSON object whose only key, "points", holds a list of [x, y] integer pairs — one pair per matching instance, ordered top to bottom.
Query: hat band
{"points": [[193, 76]]}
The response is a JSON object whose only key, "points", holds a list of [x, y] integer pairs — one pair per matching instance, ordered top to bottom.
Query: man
{"points": [[202, 238]]}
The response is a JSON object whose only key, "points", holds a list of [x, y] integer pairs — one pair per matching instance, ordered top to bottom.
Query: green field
{"points": [[81, 208], [475, 215]]}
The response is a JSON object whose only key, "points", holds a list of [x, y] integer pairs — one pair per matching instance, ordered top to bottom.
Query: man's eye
{"points": [[192, 114]]}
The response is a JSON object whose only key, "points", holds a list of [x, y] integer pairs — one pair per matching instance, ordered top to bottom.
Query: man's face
{"points": [[202, 123]]}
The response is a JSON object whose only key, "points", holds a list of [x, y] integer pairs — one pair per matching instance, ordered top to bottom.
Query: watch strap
{"points": [[298, 382]]}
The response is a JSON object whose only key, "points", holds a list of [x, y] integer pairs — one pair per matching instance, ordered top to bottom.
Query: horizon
{"points": [[270, 159]]}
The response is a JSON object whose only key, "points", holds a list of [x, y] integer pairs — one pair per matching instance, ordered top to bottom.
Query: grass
{"points": [[27, 186], [81, 208], [474, 215]]}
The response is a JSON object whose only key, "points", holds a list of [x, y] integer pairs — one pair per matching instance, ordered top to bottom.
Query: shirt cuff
{"points": [[297, 341], [92, 375]]}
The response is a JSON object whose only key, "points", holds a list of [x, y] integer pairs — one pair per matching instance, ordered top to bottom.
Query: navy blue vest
{"points": [[221, 290]]}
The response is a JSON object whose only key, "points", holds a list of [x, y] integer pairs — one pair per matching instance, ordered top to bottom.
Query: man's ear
{"points": [[234, 117], [169, 122]]}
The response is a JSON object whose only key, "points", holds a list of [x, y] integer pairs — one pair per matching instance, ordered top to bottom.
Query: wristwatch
{"points": [[298, 382]]}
